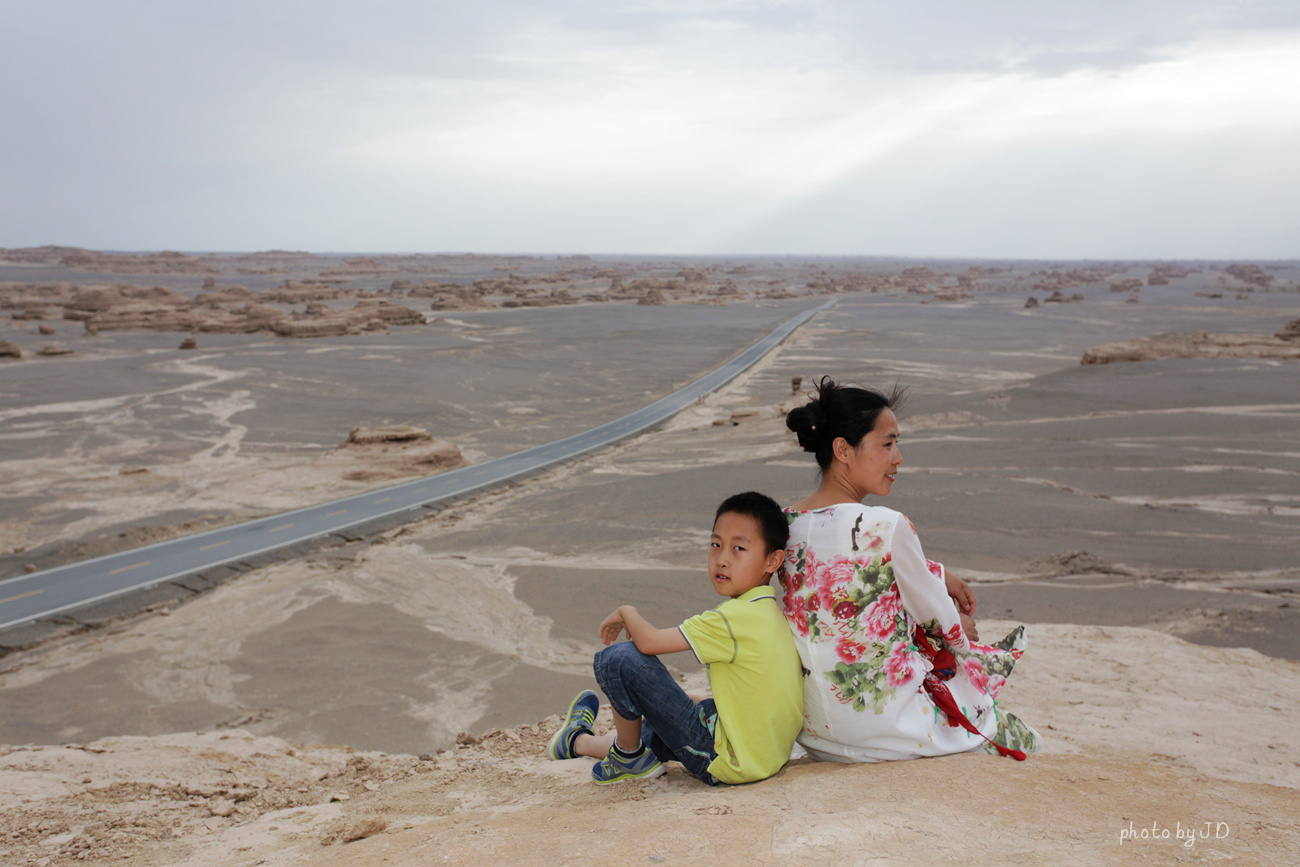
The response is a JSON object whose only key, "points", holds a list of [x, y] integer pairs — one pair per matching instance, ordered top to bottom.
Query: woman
{"points": [[856, 589]]}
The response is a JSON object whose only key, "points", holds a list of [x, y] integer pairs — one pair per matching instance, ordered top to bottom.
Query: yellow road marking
{"points": [[381, 500], [339, 512], [279, 528], [214, 545], [126, 568], [21, 596]]}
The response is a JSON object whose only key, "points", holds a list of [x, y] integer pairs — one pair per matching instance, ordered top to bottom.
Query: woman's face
{"points": [[871, 467]]}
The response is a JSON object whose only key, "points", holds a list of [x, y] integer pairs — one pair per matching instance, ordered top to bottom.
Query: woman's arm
{"points": [[924, 598], [646, 637]]}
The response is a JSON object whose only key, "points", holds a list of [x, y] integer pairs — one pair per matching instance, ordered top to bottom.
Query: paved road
{"points": [[40, 594]]}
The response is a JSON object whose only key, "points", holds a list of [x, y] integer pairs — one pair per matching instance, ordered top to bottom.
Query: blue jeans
{"points": [[673, 726]]}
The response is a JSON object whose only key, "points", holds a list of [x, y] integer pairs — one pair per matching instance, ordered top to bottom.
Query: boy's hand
{"points": [[960, 592], [612, 627], [647, 639]]}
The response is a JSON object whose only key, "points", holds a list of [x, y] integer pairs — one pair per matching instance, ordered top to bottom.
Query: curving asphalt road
{"points": [[41, 594]]}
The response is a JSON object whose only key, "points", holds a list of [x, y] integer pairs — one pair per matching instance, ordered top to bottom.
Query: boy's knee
{"points": [[620, 655], [618, 664]]}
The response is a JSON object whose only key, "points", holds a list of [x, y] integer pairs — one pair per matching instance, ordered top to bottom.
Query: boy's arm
{"points": [[646, 637]]}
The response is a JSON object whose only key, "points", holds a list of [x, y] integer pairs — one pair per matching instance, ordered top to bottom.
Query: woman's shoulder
{"points": [[840, 510], [845, 515]]}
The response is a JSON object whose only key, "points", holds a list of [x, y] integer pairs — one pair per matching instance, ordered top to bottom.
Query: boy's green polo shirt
{"points": [[756, 680]]}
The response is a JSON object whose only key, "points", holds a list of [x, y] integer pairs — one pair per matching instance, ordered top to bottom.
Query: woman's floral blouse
{"points": [[856, 586]]}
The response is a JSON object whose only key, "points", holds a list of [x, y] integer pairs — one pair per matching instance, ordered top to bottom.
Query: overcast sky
{"points": [[1099, 129]]}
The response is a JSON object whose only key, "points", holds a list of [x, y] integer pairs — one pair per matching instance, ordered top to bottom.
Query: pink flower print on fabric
{"points": [[869, 541], [812, 568], [936, 569], [836, 574], [793, 580], [790, 601], [814, 602], [799, 618], [880, 621], [850, 650], [899, 664], [976, 674], [995, 684]]}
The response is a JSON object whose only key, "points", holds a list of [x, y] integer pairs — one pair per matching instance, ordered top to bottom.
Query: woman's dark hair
{"points": [[839, 411], [763, 509]]}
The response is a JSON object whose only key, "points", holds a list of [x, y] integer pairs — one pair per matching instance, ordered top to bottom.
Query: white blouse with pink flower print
{"points": [[856, 586]]}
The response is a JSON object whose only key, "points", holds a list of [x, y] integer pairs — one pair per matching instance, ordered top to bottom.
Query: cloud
{"points": [[703, 125]]}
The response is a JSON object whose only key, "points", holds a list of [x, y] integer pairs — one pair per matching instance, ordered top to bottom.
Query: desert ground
{"points": [[1140, 515]]}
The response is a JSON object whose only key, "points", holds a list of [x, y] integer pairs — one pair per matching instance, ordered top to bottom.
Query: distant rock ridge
{"points": [[165, 262], [1285, 345]]}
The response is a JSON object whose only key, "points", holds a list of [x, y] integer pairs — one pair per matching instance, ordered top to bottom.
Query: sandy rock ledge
{"points": [[1144, 731]]}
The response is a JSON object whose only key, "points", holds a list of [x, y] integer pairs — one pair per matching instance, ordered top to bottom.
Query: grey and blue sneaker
{"points": [[581, 718], [617, 769]]}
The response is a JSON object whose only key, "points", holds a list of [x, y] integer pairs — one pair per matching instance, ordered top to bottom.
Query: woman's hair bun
{"points": [[805, 421]]}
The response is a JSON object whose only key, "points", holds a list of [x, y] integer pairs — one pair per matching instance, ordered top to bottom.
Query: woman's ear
{"points": [[841, 449], [774, 561]]}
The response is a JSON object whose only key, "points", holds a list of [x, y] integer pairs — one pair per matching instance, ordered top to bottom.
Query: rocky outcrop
{"points": [[166, 262], [1252, 275], [919, 276], [302, 291], [957, 294], [228, 295], [452, 297], [1059, 297], [555, 298], [29, 311], [231, 311], [386, 312], [142, 317], [320, 326], [1290, 331], [1197, 344], [9, 349], [393, 433], [392, 451]]}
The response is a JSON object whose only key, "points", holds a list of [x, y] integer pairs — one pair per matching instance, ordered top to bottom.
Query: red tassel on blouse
{"points": [[943, 698]]}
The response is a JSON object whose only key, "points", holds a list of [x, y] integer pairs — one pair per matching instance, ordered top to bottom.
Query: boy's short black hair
{"points": [[763, 509]]}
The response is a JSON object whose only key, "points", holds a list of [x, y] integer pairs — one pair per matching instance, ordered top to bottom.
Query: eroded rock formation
{"points": [[1200, 344], [392, 451]]}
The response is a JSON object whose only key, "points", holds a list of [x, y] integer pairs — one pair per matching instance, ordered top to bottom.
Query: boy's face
{"points": [[738, 557]]}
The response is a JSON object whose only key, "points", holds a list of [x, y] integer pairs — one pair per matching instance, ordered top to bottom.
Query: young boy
{"points": [[745, 731]]}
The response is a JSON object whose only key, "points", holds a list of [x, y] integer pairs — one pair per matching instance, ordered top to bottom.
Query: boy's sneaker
{"points": [[581, 718], [614, 768]]}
